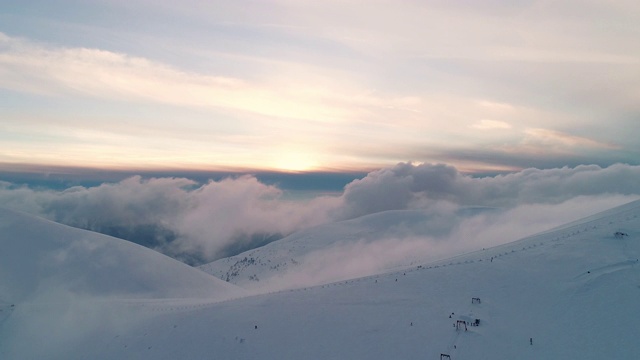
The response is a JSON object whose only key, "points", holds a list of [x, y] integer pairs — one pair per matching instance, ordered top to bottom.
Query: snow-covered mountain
{"points": [[376, 243], [42, 259], [278, 264], [59, 284], [569, 293]]}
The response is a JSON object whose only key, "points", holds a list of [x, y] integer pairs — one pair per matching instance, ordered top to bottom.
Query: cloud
{"points": [[53, 71], [287, 72], [290, 90], [486, 124], [548, 137], [407, 186], [241, 212], [176, 216], [200, 222]]}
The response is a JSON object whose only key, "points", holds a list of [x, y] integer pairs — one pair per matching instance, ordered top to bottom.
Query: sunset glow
{"points": [[357, 86]]}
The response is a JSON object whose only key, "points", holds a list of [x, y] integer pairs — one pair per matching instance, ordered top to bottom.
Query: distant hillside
{"points": [[275, 264]]}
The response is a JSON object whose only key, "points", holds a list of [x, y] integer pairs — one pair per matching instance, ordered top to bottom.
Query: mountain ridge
{"points": [[274, 264]]}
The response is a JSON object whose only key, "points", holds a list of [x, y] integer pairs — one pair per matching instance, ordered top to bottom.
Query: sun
{"points": [[294, 161]]}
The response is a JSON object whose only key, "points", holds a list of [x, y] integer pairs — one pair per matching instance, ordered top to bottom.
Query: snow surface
{"points": [[302, 259], [54, 276], [574, 291]]}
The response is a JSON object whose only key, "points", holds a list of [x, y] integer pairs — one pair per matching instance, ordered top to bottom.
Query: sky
{"points": [[317, 86]]}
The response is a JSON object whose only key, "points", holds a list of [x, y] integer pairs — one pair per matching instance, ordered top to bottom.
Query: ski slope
{"points": [[41, 258], [276, 264], [58, 284], [571, 291]]}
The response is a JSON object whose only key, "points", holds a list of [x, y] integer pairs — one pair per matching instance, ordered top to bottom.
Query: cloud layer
{"points": [[499, 86], [408, 186], [176, 216], [198, 223]]}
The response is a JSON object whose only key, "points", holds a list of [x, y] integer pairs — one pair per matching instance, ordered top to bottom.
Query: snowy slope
{"points": [[40, 258], [271, 265], [68, 280], [573, 291]]}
